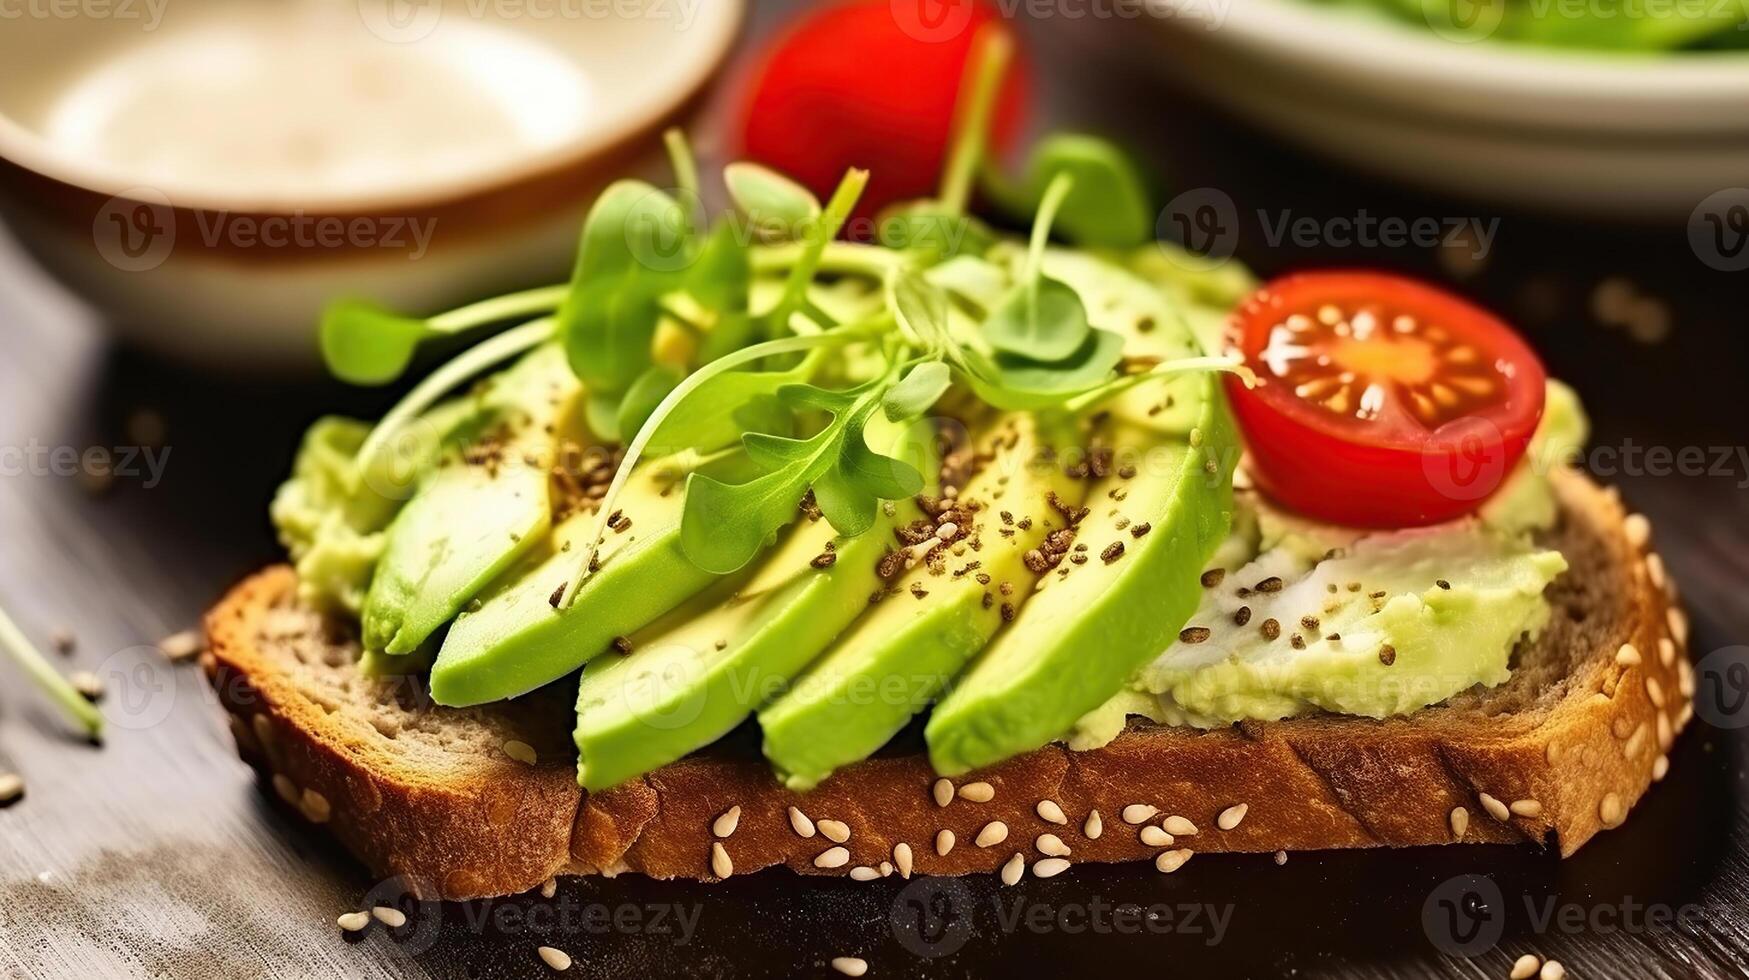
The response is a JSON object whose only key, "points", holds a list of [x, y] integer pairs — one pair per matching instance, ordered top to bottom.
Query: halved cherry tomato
{"points": [[871, 84], [1382, 401]]}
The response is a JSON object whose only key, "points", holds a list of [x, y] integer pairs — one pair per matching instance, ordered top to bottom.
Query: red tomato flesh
{"points": [[871, 84], [1381, 401]]}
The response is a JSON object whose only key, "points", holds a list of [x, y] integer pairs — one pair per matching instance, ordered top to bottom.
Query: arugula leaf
{"points": [[779, 208], [919, 389], [644, 395]]}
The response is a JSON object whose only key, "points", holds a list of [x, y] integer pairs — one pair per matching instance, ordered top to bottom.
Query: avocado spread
{"points": [[1297, 616]]}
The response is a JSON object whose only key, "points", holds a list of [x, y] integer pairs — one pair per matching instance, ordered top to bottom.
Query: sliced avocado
{"points": [[487, 503], [1163, 508], [518, 640], [903, 652], [699, 671]]}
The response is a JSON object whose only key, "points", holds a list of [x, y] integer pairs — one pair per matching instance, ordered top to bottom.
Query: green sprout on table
{"points": [[13, 641]]}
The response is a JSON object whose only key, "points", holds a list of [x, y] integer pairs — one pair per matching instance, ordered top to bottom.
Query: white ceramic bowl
{"points": [[1646, 136], [210, 174]]}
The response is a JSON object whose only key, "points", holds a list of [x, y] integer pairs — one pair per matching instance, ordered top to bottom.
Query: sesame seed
{"points": [[1638, 530], [946, 531], [1213, 577], [1678, 623], [1193, 634], [180, 646], [1666, 651], [1627, 656], [89, 685], [1655, 691], [1666, 736], [1632, 748], [520, 751], [1660, 768], [11, 788], [287, 790], [943, 792], [978, 792], [315, 806], [1495, 808], [1526, 808], [1610, 810], [1050, 812], [1139, 813], [1232, 816], [1460, 822], [800, 823], [725, 825], [1094, 826], [1179, 827], [836, 831], [994, 832], [1154, 837], [944, 842], [1051, 845], [832, 857], [902, 858], [1280, 858], [1170, 861], [721, 866], [1050, 867], [886, 869], [1013, 869], [863, 872], [549, 888], [389, 916], [353, 921], [556, 959], [850, 966], [1525, 967], [1552, 970]]}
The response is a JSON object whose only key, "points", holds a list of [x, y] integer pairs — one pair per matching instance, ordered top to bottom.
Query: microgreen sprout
{"points": [[365, 344], [13, 641]]}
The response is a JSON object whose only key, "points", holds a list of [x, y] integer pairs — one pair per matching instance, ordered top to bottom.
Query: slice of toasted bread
{"points": [[477, 802]]}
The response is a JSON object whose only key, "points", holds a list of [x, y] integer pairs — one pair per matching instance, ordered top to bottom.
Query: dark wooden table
{"points": [[158, 855]]}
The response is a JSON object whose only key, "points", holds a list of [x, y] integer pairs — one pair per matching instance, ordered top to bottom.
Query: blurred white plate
{"points": [[1623, 135], [209, 175]]}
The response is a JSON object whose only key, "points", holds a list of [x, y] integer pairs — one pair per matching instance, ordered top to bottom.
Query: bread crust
{"points": [[475, 822]]}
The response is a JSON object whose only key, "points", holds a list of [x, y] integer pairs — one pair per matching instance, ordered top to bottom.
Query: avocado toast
{"points": [[954, 529]]}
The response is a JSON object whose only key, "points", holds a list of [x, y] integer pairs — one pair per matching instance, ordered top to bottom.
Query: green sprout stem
{"points": [[991, 51], [685, 174], [1048, 206], [820, 235], [844, 258], [529, 302], [488, 353], [1183, 365], [693, 381], [12, 639]]}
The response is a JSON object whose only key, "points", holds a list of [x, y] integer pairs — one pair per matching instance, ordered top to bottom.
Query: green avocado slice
{"points": [[486, 504], [1092, 625], [517, 641], [903, 652], [695, 674]]}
